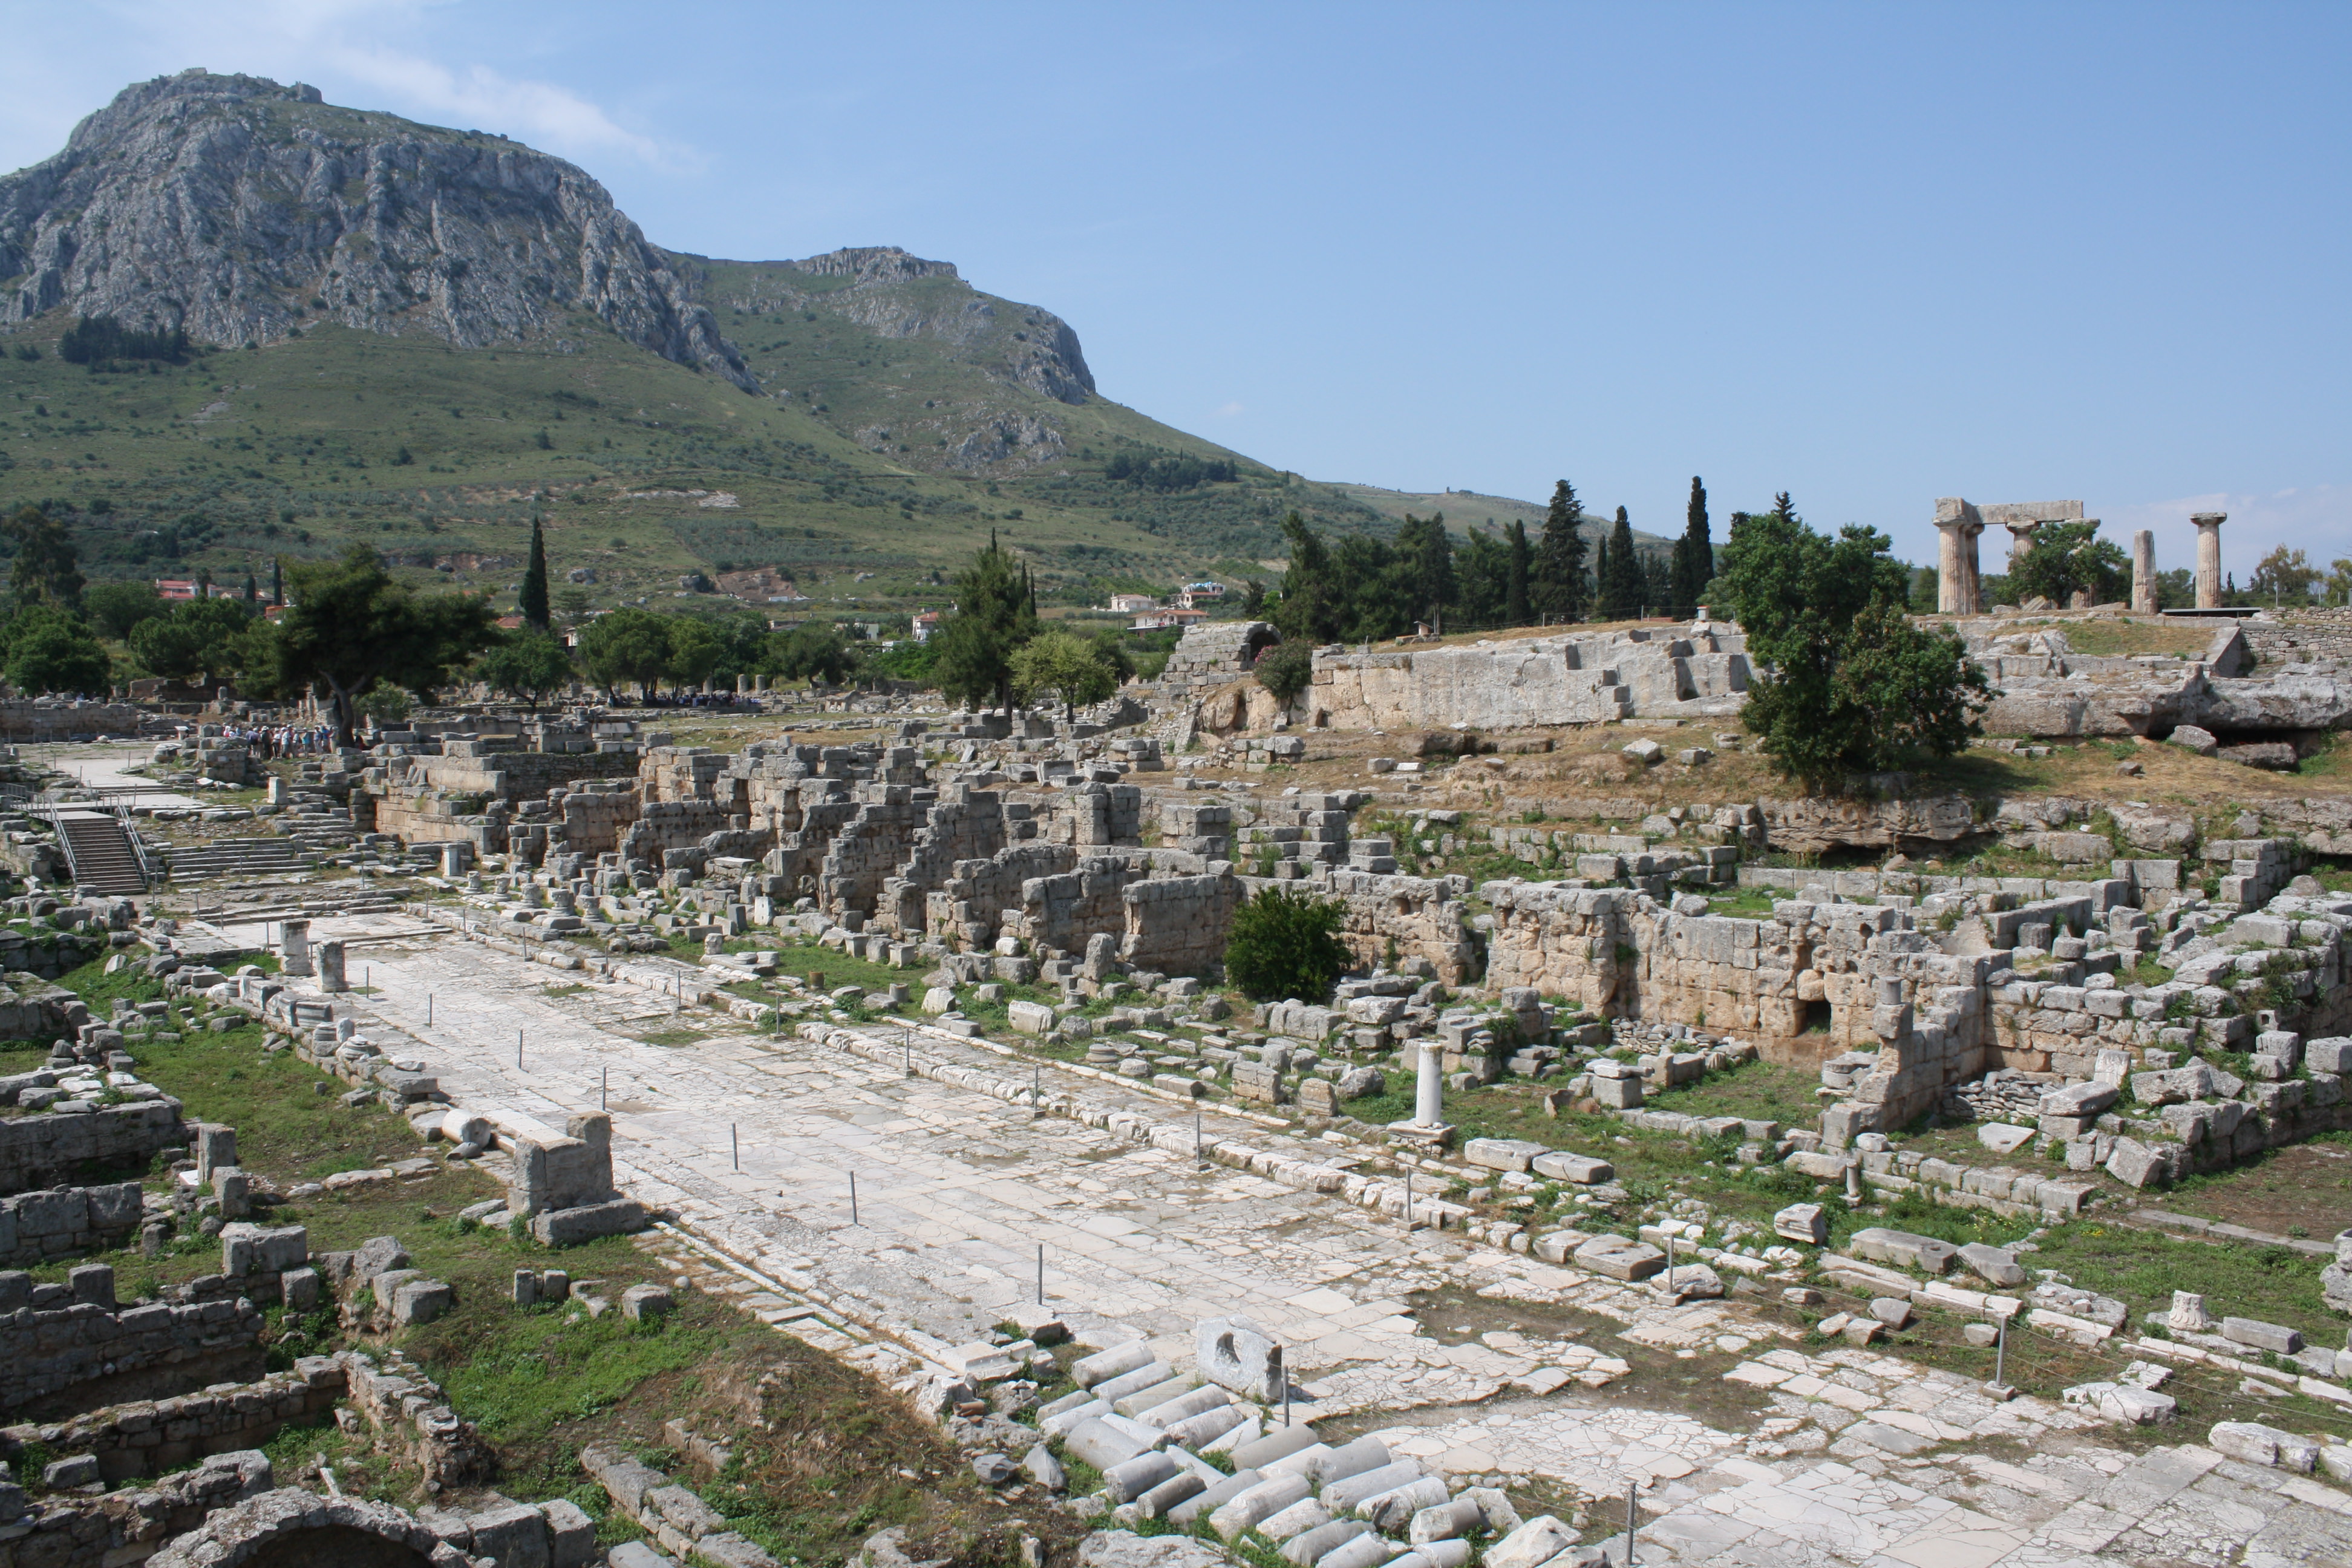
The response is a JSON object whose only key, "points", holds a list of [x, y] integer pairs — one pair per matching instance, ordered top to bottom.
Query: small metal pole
{"points": [[428, 1009], [517, 1049], [604, 1090], [735, 1150], [1199, 1157], [853, 1197], [1408, 1198], [1041, 1274], [2000, 1355], [1629, 1524]]}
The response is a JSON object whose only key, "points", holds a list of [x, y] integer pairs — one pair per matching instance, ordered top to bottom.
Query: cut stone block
{"points": [[2001, 1137], [1502, 1154], [1580, 1169], [1807, 1223], [1880, 1245], [1619, 1258], [1992, 1264], [2261, 1336], [1236, 1354], [2255, 1444], [1534, 1543]]}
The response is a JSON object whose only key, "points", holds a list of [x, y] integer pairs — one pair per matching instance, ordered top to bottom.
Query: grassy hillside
{"points": [[439, 457], [1464, 509]]}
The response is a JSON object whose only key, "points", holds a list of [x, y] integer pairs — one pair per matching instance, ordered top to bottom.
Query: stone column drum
{"points": [[2208, 558], [1960, 590], [2143, 599], [331, 966], [1428, 1090]]}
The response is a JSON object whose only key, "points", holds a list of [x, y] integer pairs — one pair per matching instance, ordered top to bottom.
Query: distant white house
{"points": [[1204, 590], [1131, 603], [1160, 620], [926, 623]]}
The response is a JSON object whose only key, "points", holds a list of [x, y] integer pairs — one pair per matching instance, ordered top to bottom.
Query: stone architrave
{"points": [[2208, 558], [2143, 599]]}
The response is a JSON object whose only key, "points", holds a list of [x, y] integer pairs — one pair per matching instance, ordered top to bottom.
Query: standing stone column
{"points": [[2021, 539], [2208, 558], [1959, 589], [2143, 599], [455, 853], [294, 948], [331, 966], [1429, 1092]]}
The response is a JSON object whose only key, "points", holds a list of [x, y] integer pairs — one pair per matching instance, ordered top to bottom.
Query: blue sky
{"points": [[1870, 254]]}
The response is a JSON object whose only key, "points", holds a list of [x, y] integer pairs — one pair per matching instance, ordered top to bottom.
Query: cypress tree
{"points": [[1694, 558], [277, 579], [1600, 580], [1621, 582], [1516, 585], [1557, 588], [532, 601]]}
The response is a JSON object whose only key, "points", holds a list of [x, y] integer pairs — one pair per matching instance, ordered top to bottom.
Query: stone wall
{"points": [[1585, 679], [43, 718], [38, 1149], [36, 1228], [66, 1347], [154, 1437], [128, 1527]]}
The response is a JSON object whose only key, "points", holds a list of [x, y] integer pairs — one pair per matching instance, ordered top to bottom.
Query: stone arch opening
{"points": [[334, 1546]]}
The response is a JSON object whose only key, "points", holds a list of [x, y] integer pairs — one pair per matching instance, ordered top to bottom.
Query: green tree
{"points": [[1693, 557], [1426, 558], [2067, 558], [45, 572], [1481, 577], [2284, 577], [1519, 584], [1621, 584], [1558, 589], [532, 600], [114, 608], [1308, 610], [995, 613], [351, 626], [198, 636], [629, 646], [697, 649], [48, 650], [815, 651], [528, 666], [1071, 667], [1845, 683], [1285, 944]]}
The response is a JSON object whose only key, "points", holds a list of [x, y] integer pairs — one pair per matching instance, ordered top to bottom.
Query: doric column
{"points": [[2021, 539], [2208, 558], [1951, 567], [2143, 599]]}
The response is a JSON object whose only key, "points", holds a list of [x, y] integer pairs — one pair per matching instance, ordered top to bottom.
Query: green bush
{"points": [[1286, 668], [1285, 945]]}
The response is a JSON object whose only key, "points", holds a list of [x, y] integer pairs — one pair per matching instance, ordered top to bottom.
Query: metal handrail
{"points": [[147, 878]]}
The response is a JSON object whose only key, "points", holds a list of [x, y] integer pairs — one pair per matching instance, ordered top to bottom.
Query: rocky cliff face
{"points": [[239, 209], [1034, 349]]}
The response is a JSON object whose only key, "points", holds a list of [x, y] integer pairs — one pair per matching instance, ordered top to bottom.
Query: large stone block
{"points": [[1502, 1154], [1580, 1169], [1926, 1253], [1619, 1257], [1234, 1353]]}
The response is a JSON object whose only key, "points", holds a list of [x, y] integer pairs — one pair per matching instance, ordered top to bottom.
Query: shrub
{"points": [[1286, 668], [1284, 946]]}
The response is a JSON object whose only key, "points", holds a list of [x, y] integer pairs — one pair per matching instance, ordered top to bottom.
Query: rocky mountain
{"points": [[238, 210]]}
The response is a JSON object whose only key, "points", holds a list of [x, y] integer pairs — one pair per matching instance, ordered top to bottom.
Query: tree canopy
{"points": [[2067, 558], [45, 570], [1556, 589], [530, 602], [995, 613], [351, 626], [192, 637], [630, 646], [45, 648], [528, 666], [1071, 667], [1845, 683]]}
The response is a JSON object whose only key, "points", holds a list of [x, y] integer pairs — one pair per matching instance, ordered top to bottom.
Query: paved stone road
{"points": [[957, 1190]]}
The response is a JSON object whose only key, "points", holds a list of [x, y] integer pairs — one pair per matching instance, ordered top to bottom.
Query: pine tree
{"points": [[1621, 580], [1556, 587], [252, 589], [1515, 591], [532, 601], [995, 614]]}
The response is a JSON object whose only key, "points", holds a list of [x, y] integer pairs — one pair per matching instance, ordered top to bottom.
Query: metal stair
{"points": [[103, 855]]}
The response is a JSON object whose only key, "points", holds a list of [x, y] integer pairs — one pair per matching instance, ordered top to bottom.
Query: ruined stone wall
{"points": [[1586, 680], [43, 720], [594, 820], [963, 825], [870, 847], [979, 894], [1063, 910], [1421, 915], [1178, 924], [1799, 984], [35, 1150], [36, 1228], [62, 1351], [153, 1438], [129, 1527]]}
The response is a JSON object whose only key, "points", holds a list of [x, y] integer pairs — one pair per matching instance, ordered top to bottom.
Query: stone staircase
{"points": [[239, 858], [104, 859]]}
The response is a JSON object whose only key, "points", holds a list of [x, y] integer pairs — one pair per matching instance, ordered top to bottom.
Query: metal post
{"points": [[428, 1009], [518, 1050], [604, 1090], [735, 1148], [1199, 1158], [853, 1197], [1408, 1198], [1041, 1274], [2000, 1355], [1629, 1524]]}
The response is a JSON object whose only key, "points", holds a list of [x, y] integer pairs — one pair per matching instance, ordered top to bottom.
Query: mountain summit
{"points": [[238, 210]]}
